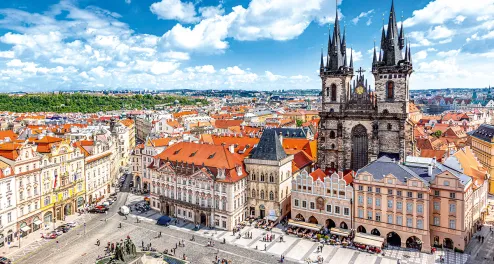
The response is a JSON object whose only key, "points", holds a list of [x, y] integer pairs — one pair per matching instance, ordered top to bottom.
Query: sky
{"points": [[48, 45]]}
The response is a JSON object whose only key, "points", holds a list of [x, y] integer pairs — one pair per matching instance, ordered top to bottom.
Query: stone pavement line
{"points": [[254, 240], [270, 245], [291, 247], [311, 250], [331, 254], [354, 257], [378, 260]]}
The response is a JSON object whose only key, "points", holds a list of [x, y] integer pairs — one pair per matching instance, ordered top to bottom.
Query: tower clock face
{"points": [[360, 90]]}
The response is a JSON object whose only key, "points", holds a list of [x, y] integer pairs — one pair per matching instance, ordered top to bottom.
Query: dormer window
{"points": [[211, 156]]}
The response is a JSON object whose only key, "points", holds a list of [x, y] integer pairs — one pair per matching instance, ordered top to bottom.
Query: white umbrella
{"points": [[125, 210]]}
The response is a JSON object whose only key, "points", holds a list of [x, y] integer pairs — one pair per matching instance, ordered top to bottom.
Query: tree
{"points": [[299, 122], [437, 134]]}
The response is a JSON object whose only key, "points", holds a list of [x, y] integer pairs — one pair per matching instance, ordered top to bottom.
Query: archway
{"points": [[359, 147], [138, 182], [67, 209], [262, 211], [48, 217], [300, 217], [203, 219], [313, 220], [330, 223], [343, 225], [361, 229], [375, 232], [393, 239], [436, 241], [414, 242], [448, 243]]}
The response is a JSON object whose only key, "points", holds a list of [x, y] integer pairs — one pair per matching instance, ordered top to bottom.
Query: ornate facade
{"points": [[359, 125]]}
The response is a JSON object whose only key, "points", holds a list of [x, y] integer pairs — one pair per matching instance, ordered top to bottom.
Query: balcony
{"points": [[185, 204]]}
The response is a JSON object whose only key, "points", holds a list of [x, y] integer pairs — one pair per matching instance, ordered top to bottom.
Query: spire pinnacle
{"points": [[410, 52], [351, 58], [374, 58], [322, 60]]}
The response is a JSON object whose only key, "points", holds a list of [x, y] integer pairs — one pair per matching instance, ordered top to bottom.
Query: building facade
{"points": [[359, 125], [482, 144]]}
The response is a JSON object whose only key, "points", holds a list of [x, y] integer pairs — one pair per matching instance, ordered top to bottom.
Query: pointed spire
{"points": [[402, 34], [383, 36], [343, 42], [406, 53], [410, 53], [380, 54], [351, 58], [374, 58], [322, 60], [344, 61]]}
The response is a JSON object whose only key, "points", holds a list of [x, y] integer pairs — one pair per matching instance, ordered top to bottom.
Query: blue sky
{"points": [[225, 44]]}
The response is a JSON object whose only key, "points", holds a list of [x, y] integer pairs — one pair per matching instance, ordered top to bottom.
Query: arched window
{"points": [[390, 90], [327, 91], [333, 92], [390, 126], [332, 134], [332, 146], [262, 177], [271, 178], [286, 191], [254, 193], [262, 194], [271, 195]]}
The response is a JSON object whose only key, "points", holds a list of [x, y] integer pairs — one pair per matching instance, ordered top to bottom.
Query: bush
{"points": [[326, 237]]}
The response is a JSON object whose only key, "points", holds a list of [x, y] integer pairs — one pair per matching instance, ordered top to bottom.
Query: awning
{"points": [[272, 216], [38, 222], [301, 224], [25, 228], [340, 232], [369, 240]]}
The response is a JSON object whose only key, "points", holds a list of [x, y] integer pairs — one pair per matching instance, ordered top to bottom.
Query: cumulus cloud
{"points": [[175, 10], [363, 15]]}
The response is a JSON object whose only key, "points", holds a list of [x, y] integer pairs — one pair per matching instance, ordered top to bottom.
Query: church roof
{"points": [[484, 132], [269, 147]]}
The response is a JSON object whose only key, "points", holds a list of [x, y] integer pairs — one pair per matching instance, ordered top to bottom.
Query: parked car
{"points": [[110, 201], [97, 210], [71, 224], [63, 228], [51, 235], [4, 260]]}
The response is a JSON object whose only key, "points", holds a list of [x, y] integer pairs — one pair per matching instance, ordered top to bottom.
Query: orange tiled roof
{"points": [[184, 113], [127, 122], [227, 123], [8, 133], [160, 142], [241, 144], [309, 146], [10, 150], [432, 153], [471, 166], [318, 174]]}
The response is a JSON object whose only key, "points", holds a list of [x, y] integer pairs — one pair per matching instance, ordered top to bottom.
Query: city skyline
{"points": [[173, 44]]}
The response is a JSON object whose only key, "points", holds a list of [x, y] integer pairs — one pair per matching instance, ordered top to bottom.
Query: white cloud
{"points": [[128, 1], [175, 10], [211, 11], [441, 11], [363, 15], [483, 18], [459, 19], [440, 32], [450, 53], [7, 54], [176, 55], [357, 55], [419, 55], [202, 69], [235, 70], [272, 77]]}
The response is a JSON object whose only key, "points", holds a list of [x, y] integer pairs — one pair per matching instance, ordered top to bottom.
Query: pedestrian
{"points": [[160, 233], [97, 242], [265, 247]]}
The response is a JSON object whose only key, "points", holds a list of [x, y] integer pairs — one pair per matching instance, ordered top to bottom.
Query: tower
{"points": [[359, 125]]}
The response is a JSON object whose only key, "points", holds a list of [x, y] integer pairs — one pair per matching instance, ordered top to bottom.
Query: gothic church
{"points": [[358, 125]]}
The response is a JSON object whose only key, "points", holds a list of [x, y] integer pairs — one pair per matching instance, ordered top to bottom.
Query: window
{"points": [[390, 90], [333, 92], [390, 126], [332, 134], [446, 183], [360, 188], [369, 188], [378, 190], [390, 191], [254, 193], [398, 193], [436, 193], [262, 194], [409, 194], [271, 195], [420, 195], [452, 195], [360, 199], [369, 200], [378, 202], [296, 203], [304, 204], [390, 204], [312, 205], [399, 205], [436, 206], [409, 207], [328, 208], [420, 208], [452, 208], [337, 210], [346, 211], [360, 213], [369, 215], [378, 217], [390, 219], [399, 220], [436, 221], [409, 222], [420, 224], [452, 224]]}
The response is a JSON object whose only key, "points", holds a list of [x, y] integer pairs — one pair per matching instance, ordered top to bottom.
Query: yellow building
{"points": [[482, 144], [62, 178]]}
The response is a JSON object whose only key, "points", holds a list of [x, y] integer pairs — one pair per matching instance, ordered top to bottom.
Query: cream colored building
{"points": [[270, 178]]}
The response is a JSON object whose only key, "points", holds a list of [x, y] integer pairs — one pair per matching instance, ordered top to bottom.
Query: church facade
{"points": [[359, 125]]}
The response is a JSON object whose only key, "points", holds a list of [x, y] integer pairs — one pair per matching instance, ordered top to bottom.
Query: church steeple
{"points": [[402, 35], [393, 43], [351, 59], [322, 61], [336, 61]]}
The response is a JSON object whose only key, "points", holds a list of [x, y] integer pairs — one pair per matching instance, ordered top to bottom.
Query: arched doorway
{"points": [[359, 147], [137, 183], [67, 209], [167, 209], [262, 211], [48, 217], [299, 217], [203, 219], [313, 220], [330, 223], [343, 225], [361, 229], [375, 232], [393, 239], [436, 241], [414, 242], [448, 243]]}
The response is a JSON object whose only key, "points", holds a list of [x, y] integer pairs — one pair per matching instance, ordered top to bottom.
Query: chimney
{"points": [[281, 138], [231, 148], [430, 167]]}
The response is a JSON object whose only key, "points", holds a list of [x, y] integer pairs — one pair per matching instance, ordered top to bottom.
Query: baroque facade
{"points": [[359, 125]]}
